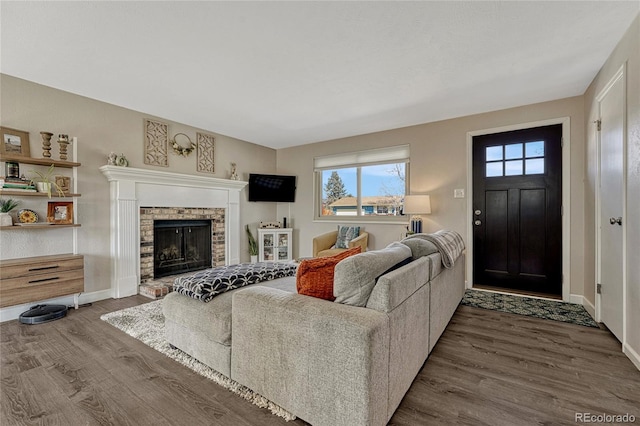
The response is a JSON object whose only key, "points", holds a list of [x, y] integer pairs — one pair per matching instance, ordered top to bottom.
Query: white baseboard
{"points": [[581, 300], [13, 312], [632, 355]]}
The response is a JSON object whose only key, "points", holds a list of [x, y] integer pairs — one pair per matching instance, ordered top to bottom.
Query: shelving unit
{"points": [[43, 162], [65, 270]]}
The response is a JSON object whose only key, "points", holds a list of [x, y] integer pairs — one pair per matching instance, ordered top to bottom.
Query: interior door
{"points": [[517, 201], [611, 206]]}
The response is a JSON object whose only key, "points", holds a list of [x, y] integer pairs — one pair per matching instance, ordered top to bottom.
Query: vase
{"points": [[46, 144], [43, 187], [5, 219], [254, 258]]}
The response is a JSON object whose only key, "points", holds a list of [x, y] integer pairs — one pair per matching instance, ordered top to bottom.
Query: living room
{"points": [[439, 150]]}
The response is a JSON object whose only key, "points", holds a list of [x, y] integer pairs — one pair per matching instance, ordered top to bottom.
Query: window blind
{"points": [[397, 154]]}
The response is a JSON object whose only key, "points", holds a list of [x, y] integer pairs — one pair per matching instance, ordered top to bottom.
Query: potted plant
{"points": [[44, 182], [5, 207], [253, 245]]}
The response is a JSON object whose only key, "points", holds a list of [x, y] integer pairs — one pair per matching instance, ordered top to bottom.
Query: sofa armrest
{"points": [[361, 240], [324, 241], [325, 362]]}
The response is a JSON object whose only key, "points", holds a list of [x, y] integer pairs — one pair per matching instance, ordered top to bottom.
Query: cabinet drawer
{"points": [[19, 269], [40, 279], [63, 287]]}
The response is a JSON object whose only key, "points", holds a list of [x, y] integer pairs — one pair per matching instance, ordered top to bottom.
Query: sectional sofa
{"points": [[329, 363]]}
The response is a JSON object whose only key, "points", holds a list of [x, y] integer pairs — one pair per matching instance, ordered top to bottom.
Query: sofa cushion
{"points": [[346, 234], [420, 247], [330, 252], [315, 276], [356, 276], [396, 286], [213, 318]]}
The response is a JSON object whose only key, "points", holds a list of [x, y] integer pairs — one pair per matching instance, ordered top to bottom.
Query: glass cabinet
{"points": [[275, 244]]}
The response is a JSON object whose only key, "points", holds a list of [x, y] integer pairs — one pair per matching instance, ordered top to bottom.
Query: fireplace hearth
{"points": [[181, 246]]}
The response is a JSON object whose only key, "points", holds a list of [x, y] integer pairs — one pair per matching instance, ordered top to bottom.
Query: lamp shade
{"points": [[417, 204]]}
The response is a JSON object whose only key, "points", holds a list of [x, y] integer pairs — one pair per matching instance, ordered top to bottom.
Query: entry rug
{"points": [[539, 308], [146, 323]]}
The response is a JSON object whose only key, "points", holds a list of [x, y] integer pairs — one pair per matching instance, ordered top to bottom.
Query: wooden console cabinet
{"points": [[32, 279]]}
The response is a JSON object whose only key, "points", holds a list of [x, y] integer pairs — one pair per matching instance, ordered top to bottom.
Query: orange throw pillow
{"points": [[315, 276]]}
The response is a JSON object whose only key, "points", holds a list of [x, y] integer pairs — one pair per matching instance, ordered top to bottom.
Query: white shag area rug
{"points": [[146, 323]]}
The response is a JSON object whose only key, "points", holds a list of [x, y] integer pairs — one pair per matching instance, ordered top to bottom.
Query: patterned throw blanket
{"points": [[449, 244], [207, 284]]}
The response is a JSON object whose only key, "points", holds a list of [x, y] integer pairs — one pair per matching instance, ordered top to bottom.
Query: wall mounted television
{"points": [[275, 188]]}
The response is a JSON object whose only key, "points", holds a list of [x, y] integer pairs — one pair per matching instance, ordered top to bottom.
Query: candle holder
{"points": [[63, 141], [46, 144]]}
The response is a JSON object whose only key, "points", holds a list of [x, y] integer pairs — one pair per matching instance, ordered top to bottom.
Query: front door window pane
{"points": [[534, 149], [513, 151], [494, 153], [535, 166], [513, 168], [494, 169]]}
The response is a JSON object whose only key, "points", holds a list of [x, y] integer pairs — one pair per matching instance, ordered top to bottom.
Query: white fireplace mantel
{"points": [[132, 188]]}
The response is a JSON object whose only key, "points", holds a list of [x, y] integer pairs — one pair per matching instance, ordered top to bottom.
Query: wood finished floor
{"points": [[488, 368]]}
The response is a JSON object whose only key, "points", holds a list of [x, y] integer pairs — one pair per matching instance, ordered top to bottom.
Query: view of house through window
{"points": [[364, 184], [382, 189]]}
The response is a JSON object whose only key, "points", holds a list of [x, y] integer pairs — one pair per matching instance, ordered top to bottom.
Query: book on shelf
{"points": [[17, 186], [23, 189]]}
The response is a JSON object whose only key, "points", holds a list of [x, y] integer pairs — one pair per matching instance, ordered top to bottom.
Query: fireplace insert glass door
{"points": [[181, 246]]}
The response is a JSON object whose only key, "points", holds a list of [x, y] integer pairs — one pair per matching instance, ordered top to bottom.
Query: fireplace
{"points": [[168, 196], [190, 239], [181, 246]]}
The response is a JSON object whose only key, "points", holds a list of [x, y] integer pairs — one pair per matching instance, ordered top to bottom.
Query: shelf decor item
{"points": [[156, 139], [63, 141], [14, 142], [46, 144], [12, 169], [44, 182], [64, 183], [5, 207], [60, 212], [27, 216]]}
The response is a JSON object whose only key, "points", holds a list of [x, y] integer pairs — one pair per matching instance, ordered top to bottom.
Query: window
{"points": [[515, 159], [366, 184]]}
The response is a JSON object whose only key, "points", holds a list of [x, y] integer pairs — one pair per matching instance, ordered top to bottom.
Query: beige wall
{"points": [[628, 50], [102, 128], [438, 166]]}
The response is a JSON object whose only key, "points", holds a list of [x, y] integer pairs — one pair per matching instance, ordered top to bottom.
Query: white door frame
{"points": [[619, 75], [566, 195]]}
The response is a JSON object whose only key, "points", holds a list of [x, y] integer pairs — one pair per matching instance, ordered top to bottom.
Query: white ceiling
{"points": [[288, 73]]}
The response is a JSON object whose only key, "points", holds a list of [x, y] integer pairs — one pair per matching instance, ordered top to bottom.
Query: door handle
{"points": [[614, 220]]}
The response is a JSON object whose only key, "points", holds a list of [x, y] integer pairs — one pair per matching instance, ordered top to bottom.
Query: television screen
{"points": [[272, 188]]}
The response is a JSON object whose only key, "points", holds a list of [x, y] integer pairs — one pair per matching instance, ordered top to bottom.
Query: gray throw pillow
{"points": [[346, 234], [420, 247], [355, 276]]}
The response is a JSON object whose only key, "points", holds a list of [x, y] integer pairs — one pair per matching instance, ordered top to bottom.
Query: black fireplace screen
{"points": [[181, 246]]}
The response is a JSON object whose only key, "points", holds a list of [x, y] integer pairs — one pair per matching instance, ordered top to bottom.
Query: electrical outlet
{"points": [[458, 193]]}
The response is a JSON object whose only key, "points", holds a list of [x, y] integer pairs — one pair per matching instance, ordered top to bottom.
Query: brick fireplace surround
{"points": [[164, 193], [149, 214]]}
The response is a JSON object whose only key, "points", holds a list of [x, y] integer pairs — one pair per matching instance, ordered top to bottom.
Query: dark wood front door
{"points": [[517, 194]]}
